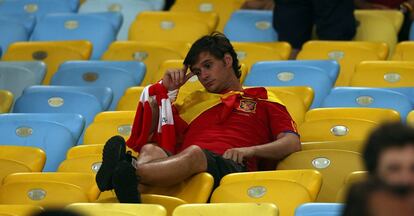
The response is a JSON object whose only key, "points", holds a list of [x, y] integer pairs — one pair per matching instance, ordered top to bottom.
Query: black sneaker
{"points": [[113, 153], [125, 183]]}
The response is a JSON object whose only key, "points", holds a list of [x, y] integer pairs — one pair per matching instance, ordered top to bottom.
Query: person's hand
{"points": [[175, 78], [239, 154]]}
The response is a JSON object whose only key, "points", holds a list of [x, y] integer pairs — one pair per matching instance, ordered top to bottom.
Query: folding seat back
{"points": [[38, 8], [128, 8], [223, 8], [371, 21], [169, 26], [251, 26], [98, 28], [11, 31], [404, 51], [51, 53], [251, 53], [347, 53], [152, 54], [387, 74], [116, 75], [320, 75], [16, 76], [303, 92], [368, 97], [6, 101], [87, 101], [129, 101], [293, 103], [410, 118], [108, 124], [343, 124], [53, 134], [15, 159], [334, 165], [352, 178], [310, 179], [48, 189], [196, 189], [285, 194], [119, 209], [230, 209], [322, 209], [19, 210]]}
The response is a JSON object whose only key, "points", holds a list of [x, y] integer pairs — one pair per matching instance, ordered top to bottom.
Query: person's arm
{"points": [[285, 144]]}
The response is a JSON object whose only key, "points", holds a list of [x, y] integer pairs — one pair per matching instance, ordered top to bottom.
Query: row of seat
{"points": [[255, 26], [347, 54], [287, 189], [230, 209]]}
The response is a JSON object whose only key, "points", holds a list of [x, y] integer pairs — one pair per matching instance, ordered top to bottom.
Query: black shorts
{"points": [[294, 20], [218, 167]]}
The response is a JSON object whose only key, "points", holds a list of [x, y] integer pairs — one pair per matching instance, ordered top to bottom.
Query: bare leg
{"points": [[150, 152], [166, 171]]}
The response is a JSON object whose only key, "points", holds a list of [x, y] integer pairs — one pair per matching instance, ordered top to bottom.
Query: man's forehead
{"points": [[202, 57]]}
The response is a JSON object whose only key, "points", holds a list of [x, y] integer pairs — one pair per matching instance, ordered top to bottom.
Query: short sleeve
{"points": [[280, 120]]}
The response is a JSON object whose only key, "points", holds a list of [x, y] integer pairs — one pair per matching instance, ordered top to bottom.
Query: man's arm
{"points": [[285, 144]]}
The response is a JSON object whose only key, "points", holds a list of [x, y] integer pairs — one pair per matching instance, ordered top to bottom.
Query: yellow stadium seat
{"points": [[223, 8], [171, 26], [379, 26], [404, 51], [53, 53], [250, 53], [347, 53], [153, 54], [384, 74], [304, 92], [6, 101], [129, 101], [293, 103], [410, 118], [108, 124], [343, 124], [349, 145], [14, 159], [334, 165], [310, 179], [351, 179], [48, 189], [196, 189], [285, 194], [118, 209], [228, 209], [19, 210]]}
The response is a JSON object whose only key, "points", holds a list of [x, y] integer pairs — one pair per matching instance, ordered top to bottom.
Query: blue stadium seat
{"points": [[38, 8], [128, 8], [251, 26], [15, 28], [98, 28], [318, 74], [117, 75], [15, 76], [407, 91], [369, 97], [86, 101], [54, 133], [319, 209]]}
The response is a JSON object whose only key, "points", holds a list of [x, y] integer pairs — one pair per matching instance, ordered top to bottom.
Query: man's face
{"points": [[216, 75], [396, 165]]}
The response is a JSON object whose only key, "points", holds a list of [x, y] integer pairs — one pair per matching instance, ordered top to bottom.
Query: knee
{"points": [[149, 148], [194, 151]]}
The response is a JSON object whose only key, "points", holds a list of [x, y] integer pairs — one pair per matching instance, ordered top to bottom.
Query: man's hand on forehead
{"points": [[175, 78]]}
